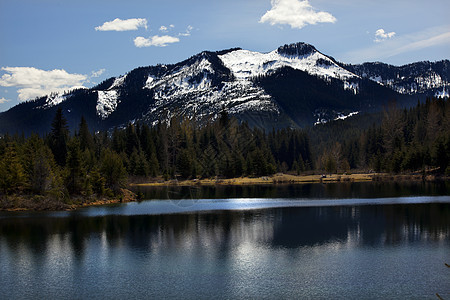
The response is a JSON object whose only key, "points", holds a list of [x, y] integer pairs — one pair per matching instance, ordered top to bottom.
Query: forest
{"points": [[61, 165]]}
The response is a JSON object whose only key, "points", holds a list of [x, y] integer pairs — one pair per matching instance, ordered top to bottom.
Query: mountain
{"points": [[426, 77], [292, 86]]}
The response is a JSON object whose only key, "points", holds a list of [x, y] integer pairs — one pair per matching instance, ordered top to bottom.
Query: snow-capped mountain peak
{"points": [[246, 64], [293, 85]]}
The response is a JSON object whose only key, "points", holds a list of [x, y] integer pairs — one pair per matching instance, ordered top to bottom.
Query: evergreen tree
{"points": [[58, 138], [86, 139], [132, 140], [184, 164], [39, 165], [153, 165], [113, 170], [12, 175], [75, 176], [98, 182]]}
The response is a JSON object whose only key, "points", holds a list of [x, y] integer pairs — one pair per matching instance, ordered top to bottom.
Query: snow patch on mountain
{"points": [[247, 64], [421, 77], [184, 79], [118, 82], [149, 83], [192, 85], [353, 86], [442, 94], [55, 99], [107, 102], [324, 116], [343, 116]]}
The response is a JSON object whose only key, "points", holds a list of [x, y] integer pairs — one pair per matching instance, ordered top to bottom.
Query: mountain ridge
{"points": [[294, 85]]}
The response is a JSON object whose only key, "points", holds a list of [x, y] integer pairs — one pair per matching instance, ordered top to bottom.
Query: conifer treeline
{"points": [[408, 140], [61, 165]]}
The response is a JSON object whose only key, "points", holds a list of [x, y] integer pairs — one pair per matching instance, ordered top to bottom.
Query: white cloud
{"points": [[295, 13], [123, 25], [166, 28], [187, 32], [381, 35], [158, 41], [95, 74], [32, 82], [3, 100]]}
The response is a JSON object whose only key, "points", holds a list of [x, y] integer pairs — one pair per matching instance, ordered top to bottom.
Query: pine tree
{"points": [[58, 138], [86, 139], [132, 140], [37, 161], [184, 164], [153, 165], [113, 170], [12, 175], [75, 176], [98, 182]]}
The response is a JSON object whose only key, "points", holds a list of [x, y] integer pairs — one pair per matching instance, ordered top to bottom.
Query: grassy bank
{"points": [[274, 179], [294, 179]]}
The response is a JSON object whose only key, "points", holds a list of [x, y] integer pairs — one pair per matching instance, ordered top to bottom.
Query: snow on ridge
{"points": [[246, 64], [182, 78], [118, 82], [149, 83], [409, 85], [193, 86], [55, 99], [107, 102]]}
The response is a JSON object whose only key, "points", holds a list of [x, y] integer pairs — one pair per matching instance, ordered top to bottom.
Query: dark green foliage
{"points": [[58, 138], [86, 139], [414, 140], [138, 164], [39, 165], [113, 170], [75, 173], [12, 175], [98, 182]]}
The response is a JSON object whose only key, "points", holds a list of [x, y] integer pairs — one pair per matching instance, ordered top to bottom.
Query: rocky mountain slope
{"points": [[294, 85]]}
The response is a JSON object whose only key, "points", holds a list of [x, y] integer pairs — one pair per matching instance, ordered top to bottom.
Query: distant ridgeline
{"points": [[294, 86], [60, 165]]}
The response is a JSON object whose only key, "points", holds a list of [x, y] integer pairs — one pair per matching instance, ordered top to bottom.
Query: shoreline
{"points": [[292, 179], [26, 203]]}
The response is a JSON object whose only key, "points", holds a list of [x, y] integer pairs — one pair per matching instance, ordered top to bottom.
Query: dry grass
{"points": [[274, 179]]}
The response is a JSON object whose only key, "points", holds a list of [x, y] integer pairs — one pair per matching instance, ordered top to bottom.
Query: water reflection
{"points": [[310, 191], [284, 227], [282, 252]]}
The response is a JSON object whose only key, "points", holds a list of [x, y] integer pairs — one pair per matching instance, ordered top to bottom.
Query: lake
{"points": [[333, 241]]}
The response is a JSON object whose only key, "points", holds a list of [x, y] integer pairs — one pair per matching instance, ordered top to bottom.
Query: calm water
{"points": [[326, 246]]}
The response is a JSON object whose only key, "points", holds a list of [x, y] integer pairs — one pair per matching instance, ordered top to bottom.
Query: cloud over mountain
{"points": [[295, 13], [157, 41], [32, 82]]}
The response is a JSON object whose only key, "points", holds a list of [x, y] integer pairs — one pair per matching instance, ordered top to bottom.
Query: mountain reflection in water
{"points": [[285, 227], [340, 251]]}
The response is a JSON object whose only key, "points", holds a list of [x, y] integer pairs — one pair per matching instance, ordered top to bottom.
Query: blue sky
{"points": [[55, 45]]}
